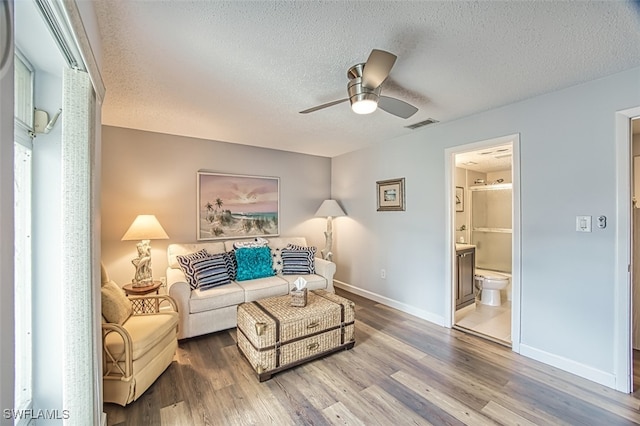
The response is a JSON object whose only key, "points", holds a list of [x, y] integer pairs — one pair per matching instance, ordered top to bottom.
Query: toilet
{"points": [[490, 283]]}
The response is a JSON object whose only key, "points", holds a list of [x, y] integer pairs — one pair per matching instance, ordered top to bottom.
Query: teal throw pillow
{"points": [[253, 262]]}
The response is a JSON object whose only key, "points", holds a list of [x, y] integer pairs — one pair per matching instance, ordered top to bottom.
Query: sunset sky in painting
{"points": [[240, 193]]}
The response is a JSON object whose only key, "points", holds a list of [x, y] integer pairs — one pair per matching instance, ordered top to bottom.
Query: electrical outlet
{"points": [[383, 273]]}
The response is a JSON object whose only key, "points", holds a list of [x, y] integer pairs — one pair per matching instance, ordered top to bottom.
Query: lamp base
{"points": [[326, 252], [142, 263], [142, 283]]}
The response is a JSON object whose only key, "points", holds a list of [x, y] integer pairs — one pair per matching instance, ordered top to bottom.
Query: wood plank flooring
{"points": [[402, 371]]}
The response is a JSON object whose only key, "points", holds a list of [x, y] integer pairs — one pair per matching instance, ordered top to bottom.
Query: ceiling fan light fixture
{"points": [[365, 83], [363, 99], [364, 106]]}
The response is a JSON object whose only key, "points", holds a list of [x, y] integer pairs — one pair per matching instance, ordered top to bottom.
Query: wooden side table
{"points": [[130, 290], [140, 305]]}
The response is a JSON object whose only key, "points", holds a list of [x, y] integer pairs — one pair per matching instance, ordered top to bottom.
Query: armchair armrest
{"points": [[326, 269], [113, 369]]}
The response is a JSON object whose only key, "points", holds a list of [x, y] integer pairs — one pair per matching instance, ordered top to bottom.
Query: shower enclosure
{"points": [[491, 226]]}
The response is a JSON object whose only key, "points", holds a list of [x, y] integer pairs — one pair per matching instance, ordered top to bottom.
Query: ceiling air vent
{"points": [[422, 123]]}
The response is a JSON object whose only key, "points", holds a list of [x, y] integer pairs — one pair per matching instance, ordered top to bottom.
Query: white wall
{"points": [[567, 169], [145, 172]]}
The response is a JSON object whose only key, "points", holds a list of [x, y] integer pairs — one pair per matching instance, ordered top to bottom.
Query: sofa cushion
{"points": [[285, 241], [297, 260], [253, 262], [186, 264], [210, 271], [264, 287], [203, 300], [116, 307]]}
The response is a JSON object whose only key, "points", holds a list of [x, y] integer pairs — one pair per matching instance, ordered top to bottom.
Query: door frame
{"points": [[450, 274], [623, 330]]}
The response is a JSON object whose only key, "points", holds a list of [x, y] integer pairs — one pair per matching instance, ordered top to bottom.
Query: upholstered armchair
{"points": [[139, 340]]}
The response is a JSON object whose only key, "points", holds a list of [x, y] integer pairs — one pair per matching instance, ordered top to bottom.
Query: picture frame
{"points": [[390, 195], [459, 199], [237, 206]]}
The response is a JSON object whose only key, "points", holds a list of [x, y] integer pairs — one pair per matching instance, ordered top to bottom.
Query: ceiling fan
{"points": [[365, 85]]}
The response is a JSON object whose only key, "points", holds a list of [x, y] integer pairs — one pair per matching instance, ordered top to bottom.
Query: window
{"points": [[24, 77], [22, 239], [22, 300]]}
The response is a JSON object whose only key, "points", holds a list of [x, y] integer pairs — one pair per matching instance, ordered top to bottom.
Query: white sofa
{"points": [[214, 309]]}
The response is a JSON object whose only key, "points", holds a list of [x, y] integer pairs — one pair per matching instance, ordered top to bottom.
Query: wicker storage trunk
{"points": [[275, 336]]}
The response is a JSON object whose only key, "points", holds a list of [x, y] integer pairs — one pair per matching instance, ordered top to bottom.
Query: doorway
{"points": [[483, 223], [635, 249], [625, 253]]}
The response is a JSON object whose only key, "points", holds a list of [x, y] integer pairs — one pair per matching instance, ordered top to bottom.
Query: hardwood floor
{"points": [[402, 370]]}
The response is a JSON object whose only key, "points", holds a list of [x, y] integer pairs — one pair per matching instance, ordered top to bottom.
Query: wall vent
{"points": [[422, 123]]}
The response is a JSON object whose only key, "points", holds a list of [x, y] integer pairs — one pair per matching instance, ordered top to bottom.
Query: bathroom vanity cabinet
{"points": [[465, 288]]}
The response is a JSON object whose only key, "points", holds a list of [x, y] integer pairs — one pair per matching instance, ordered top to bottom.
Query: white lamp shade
{"points": [[330, 208], [145, 227]]}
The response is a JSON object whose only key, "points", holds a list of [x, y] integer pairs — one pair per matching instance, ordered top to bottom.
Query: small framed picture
{"points": [[391, 195], [459, 199]]}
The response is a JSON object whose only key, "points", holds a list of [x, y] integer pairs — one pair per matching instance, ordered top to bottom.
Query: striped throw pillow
{"points": [[298, 260], [230, 262], [185, 264], [210, 271]]}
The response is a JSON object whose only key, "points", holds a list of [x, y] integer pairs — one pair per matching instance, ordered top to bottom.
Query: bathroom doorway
{"points": [[484, 223], [635, 251]]}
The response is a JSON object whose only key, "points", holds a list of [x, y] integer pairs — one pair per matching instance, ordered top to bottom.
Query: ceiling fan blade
{"points": [[377, 68], [327, 105], [396, 107]]}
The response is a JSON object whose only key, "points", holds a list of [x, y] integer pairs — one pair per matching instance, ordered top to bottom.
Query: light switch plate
{"points": [[583, 223]]}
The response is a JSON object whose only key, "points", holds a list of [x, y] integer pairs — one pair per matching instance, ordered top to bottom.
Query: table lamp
{"points": [[329, 209], [145, 228]]}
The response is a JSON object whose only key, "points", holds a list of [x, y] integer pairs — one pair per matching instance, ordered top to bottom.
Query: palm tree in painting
{"points": [[219, 204], [210, 216]]}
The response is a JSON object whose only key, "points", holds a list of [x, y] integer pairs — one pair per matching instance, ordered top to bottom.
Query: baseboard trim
{"points": [[412, 310], [573, 367], [581, 370], [103, 419]]}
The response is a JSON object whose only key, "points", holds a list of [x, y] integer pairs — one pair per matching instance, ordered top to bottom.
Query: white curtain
{"points": [[77, 159]]}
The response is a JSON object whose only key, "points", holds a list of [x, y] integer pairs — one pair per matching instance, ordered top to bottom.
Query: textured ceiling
{"points": [[239, 71], [493, 159]]}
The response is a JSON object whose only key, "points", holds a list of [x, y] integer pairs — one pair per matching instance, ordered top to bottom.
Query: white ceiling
{"points": [[240, 71], [491, 159]]}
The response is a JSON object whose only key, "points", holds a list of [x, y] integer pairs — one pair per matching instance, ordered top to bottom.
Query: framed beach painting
{"points": [[390, 195], [237, 206]]}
